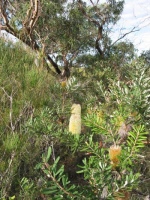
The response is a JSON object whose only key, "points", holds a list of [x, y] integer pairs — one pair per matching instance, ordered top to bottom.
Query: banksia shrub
{"points": [[75, 119], [114, 153]]}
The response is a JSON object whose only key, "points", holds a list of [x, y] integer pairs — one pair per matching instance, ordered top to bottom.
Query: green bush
{"points": [[40, 159]]}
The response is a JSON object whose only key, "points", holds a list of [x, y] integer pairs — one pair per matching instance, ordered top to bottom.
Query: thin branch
{"points": [[92, 2], [10, 3], [28, 15], [35, 15], [32, 16], [5, 19], [98, 24], [124, 35], [74, 55], [10, 97], [10, 163], [50, 175], [7, 176], [55, 181]]}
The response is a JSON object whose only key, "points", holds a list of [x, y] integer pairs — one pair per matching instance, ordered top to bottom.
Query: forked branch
{"points": [[33, 14], [98, 24], [6, 26]]}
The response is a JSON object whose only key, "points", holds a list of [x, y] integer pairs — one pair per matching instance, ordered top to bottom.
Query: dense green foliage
{"points": [[62, 31], [65, 56], [40, 159]]}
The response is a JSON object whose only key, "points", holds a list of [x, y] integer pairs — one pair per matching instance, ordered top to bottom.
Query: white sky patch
{"points": [[136, 14]]}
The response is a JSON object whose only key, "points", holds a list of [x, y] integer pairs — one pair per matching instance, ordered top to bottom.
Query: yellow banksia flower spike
{"points": [[63, 84], [75, 119], [114, 153]]}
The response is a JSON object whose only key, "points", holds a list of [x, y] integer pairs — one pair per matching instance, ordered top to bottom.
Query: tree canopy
{"points": [[61, 31]]}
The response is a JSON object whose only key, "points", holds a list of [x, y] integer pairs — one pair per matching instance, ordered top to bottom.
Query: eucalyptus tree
{"points": [[61, 30], [146, 56]]}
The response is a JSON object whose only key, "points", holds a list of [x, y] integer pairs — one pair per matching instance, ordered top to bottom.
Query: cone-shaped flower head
{"points": [[63, 83], [75, 119], [114, 153]]}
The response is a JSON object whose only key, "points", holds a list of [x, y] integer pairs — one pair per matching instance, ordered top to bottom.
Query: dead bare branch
{"points": [[124, 35], [10, 97], [6, 177]]}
